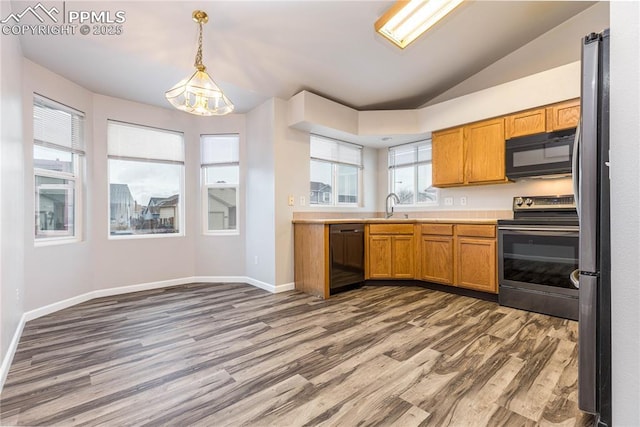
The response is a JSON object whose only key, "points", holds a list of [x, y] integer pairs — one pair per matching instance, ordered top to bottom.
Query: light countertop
{"points": [[488, 221]]}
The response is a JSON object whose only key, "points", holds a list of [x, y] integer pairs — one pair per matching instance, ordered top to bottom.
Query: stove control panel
{"points": [[544, 203]]}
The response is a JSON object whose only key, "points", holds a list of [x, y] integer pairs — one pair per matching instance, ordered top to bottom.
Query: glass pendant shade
{"points": [[199, 94]]}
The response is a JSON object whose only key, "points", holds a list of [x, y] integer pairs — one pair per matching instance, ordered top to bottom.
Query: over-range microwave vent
{"points": [[544, 155]]}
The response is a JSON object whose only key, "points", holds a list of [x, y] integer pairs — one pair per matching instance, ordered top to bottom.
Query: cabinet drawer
{"points": [[390, 228], [440, 229], [476, 230]]}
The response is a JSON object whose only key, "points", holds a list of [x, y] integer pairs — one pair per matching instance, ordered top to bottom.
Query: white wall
{"points": [[12, 192], [625, 205], [221, 255], [260, 258], [54, 273]]}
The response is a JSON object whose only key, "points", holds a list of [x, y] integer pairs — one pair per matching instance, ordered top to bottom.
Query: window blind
{"points": [[57, 126], [129, 141], [219, 149], [335, 151], [410, 154]]}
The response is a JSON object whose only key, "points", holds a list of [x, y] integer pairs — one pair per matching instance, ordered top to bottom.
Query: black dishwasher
{"points": [[346, 253]]}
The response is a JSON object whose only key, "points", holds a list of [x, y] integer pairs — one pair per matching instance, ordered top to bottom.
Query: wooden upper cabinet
{"points": [[564, 115], [525, 123], [485, 156], [448, 157]]}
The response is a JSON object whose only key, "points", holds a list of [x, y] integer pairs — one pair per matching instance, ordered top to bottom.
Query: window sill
{"points": [[221, 233], [145, 236], [55, 241]]}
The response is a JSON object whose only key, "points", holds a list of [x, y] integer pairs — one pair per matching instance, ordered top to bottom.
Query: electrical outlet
{"points": [[291, 200], [303, 201], [448, 201], [463, 201], [255, 260], [18, 294]]}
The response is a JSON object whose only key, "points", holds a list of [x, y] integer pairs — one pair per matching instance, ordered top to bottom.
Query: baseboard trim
{"points": [[99, 293], [11, 351]]}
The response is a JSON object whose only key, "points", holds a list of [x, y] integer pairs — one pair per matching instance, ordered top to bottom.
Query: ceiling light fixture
{"points": [[405, 21], [199, 94]]}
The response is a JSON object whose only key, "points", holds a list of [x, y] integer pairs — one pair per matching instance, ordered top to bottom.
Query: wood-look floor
{"points": [[231, 355]]}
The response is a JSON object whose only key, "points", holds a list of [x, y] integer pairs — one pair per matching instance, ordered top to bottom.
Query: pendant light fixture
{"points": [[199, 94]]}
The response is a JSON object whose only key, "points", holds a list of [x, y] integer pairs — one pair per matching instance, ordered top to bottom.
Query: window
{"points": [[58, 156], [220, 156], [335, 172], [410, 174], [146, 180]]}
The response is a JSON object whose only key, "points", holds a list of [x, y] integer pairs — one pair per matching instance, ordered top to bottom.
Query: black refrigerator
{"points": [[591, 185]]}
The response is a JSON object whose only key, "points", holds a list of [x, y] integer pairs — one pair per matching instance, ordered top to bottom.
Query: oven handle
{"points": [[540, 230]]}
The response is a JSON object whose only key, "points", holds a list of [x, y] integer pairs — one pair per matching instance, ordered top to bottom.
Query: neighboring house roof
{"points": [[320, 186], [226, 196], [156, 203]]}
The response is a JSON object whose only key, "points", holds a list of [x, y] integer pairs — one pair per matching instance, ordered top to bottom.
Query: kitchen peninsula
{"points": [[456, 253]]}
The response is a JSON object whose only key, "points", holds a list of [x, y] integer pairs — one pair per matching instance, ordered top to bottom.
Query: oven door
{"points": [[533, 156], [538, 258], [535, 265]]}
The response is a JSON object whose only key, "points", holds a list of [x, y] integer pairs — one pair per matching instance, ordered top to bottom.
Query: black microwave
{"points": [[540, 155]]}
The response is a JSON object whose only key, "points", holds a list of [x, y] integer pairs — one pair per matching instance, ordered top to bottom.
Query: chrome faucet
{"points": [[388, 212]]}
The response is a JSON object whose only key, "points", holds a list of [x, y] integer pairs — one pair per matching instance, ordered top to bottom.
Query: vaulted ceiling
{"points": [[256, 50]]}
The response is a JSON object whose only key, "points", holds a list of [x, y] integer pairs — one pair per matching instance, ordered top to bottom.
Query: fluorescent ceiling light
{"points": [[405, 21]]}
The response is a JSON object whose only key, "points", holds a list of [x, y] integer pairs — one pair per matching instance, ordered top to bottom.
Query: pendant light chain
{"points": [[198, 64]]}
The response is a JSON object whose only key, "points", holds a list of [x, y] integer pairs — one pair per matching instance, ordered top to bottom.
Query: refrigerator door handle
{"points": [[588, 158], [575, 168]]}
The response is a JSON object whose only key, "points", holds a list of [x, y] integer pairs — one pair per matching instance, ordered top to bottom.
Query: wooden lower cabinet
{"points": [[390, 251], [436, 253], [403, 255], [462, 255], [380, 257], [476, 257], [311, 259], [476, 263]]}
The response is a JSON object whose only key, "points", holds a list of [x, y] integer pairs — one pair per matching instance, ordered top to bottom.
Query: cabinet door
{"points": [[564, 115], [525, 123], [485, 151], [448, 157], [403, 256], [380, 261], [436, 264], [477, 264]]}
